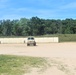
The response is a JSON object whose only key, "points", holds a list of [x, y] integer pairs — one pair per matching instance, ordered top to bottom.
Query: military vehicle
{"points": [[31, 41]]}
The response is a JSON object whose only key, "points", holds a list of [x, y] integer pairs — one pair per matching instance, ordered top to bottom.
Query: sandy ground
{"points": [[63, 56]]}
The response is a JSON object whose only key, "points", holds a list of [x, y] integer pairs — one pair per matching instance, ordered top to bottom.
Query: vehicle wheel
{"points": [[27, 44], [34, 44]]}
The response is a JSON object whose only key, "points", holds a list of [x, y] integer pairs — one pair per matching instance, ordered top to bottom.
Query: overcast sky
{"points": [[47, 9]]}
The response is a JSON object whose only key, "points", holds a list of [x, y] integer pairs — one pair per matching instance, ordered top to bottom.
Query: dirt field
{"points": [[41, 50], [61, 53]]}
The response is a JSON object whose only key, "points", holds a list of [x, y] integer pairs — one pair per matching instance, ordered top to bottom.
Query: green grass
{"points": [[63, 37], [67, 38], [18, 65]]}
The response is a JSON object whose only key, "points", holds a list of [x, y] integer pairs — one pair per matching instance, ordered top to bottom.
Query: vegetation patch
{"points": [[63, 37], [18, 65]]}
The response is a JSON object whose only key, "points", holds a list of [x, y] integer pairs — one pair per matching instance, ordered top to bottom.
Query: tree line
{"points": [[36, 26]]}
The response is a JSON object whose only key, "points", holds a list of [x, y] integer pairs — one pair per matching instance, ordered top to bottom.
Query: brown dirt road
{"points": [[41, 50], [62, 53]]}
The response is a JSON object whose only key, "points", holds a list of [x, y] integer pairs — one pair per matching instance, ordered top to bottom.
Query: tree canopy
{"points": [[36, 26]]}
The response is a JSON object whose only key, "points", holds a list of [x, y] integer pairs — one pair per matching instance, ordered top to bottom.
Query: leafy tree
{"points": [[36, 26]]}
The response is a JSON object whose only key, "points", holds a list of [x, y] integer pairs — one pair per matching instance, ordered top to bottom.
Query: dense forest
{"points": [[36, 26]]}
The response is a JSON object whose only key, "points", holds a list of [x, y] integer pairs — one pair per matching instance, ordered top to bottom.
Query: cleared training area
{"points": [[24, 40], [41, 50], [62, 56]]}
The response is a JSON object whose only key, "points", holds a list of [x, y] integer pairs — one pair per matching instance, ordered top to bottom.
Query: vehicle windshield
{"points": [[31, 38]]}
